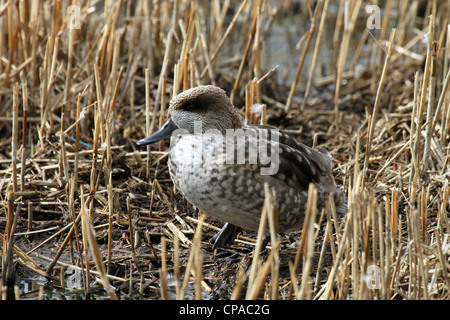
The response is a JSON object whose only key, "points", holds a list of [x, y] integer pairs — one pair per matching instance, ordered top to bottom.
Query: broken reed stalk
{"points": [[217, 18], [349, 25], [226, 34], [309, 35], [251, 36], [204, 48], [314, 55], [69, 67], [182, 77], [426, 78], [159, 92], [43, 104], [440, 104], [112, 105], [431, 105], [163, 110], [147, 119], [373, 119], [98, 127], [15, 135], [24, 135], [77, 141], [414, 141], [63, 163], [108, 177], [162, 193], [310, 214], [272, 215], [30, 217], [75, 219], [394, 219], [443, 220], [110, 222], [130, 227], [89, 233], [309, 238], [326, 241], [62, 247], [383, 255], [193, 257], [256, 257], [176, 264], [198, 268], [8, 269], [163, 270], [258, 271], [260, 277], [421, 278], [328, 287], [235, 295]]}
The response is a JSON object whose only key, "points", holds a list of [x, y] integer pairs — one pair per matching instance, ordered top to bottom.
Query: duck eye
{"points": [[194, 105], [188, 106]]}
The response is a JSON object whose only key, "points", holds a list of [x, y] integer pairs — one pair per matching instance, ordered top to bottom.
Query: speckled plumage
{"points": [[207, 176]]}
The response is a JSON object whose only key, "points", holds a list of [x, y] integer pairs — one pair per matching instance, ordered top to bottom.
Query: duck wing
{"points": [[299, 165]]}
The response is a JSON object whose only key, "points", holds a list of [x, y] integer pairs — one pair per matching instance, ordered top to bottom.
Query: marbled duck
{"points": [[228, 184]]}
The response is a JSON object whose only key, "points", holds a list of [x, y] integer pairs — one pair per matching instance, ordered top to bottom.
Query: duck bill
{"points": [[165, 132]]}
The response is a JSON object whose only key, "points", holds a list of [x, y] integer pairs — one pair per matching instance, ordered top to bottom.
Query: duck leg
{"points": [[229, 233], [225, 236]]}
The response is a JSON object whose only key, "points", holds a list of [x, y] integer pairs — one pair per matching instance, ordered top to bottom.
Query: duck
{"points": [[220, 165]]}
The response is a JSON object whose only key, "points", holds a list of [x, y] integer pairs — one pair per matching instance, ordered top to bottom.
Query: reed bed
{"points": [[82, 81]]}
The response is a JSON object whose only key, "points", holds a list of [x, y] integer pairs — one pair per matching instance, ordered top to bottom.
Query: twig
{"points": [[377, 104]]}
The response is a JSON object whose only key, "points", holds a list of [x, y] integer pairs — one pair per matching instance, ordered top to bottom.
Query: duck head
{"points": [[206, 105]]}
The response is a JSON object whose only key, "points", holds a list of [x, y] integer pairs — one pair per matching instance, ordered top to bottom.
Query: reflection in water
{"points": [[286, 31]]}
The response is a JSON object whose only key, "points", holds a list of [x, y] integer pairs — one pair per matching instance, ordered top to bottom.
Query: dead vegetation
{"points": [[81, 82]]}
